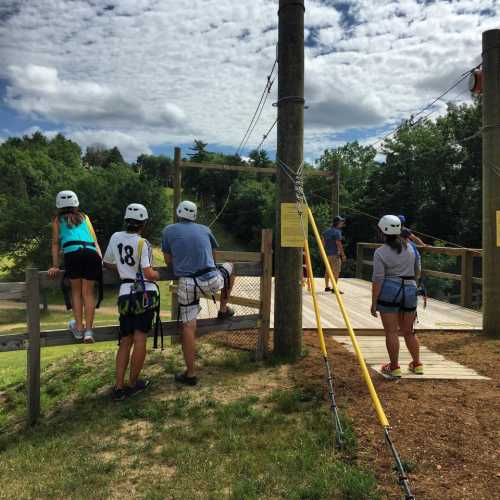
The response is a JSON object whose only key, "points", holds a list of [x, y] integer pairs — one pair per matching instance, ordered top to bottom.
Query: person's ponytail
{"points": [[395, 242]]}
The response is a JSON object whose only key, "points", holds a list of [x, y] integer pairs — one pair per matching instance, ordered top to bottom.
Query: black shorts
{"points": [[83, 264], [130, 323]]}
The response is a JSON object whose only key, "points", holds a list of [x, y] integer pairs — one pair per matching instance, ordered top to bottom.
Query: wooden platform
{"points": [[438, 316], [435, 365]]}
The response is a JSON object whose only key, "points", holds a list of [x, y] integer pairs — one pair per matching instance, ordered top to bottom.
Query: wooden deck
{"points": [[438, 316]]}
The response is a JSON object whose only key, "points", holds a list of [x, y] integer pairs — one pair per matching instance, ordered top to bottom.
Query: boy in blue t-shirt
{"points": [[332, 241]]}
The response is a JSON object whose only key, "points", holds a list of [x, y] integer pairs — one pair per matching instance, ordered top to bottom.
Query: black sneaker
{"points": [[328, 289], [228, 313], [182, 378], [140, 386], [119, 394]]}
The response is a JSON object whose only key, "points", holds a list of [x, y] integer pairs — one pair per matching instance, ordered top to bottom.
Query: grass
{"points": [[221, 439]]}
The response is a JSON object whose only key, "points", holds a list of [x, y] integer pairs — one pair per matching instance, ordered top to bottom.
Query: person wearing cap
{"points": [[72, 232], [332, 241], [190, 249], [131, 256], [394, 295]]}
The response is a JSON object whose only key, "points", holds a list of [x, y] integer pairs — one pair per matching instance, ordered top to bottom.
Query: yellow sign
{"points": [[498, 228], [292, 231]]}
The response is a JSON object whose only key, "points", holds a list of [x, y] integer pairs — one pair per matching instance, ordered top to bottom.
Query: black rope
{"points": [[290, 98]]}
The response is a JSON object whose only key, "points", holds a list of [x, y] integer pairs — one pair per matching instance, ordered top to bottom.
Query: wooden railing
{"points": [[257, 264], [465, 278]]}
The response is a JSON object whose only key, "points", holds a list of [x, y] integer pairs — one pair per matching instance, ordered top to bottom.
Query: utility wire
{"points": [[260, 105], [264, 137]]}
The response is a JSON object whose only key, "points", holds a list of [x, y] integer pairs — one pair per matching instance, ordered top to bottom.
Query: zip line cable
{"points": [[259, 107], [264, 137], [298, 182]]}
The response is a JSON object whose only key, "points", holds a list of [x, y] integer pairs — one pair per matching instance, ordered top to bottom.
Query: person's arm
{"points": [[92, 231], [417, 240], [340, 249], [167, 258], [109, 261], [147, 263], [109, 265], [54, 270], [150, 274], [377, 281]]}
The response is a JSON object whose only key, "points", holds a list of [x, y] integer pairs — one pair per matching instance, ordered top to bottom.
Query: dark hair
{"points": [[71, 215], [134, 226], [395, 242]]}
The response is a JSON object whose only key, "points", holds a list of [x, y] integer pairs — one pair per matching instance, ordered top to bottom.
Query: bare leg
{"points": [[327, 279], [226, 294], [76, 301], [88, 302], [391, 327], [406, 328], [189, 346], [138, 357], [122, 358]]}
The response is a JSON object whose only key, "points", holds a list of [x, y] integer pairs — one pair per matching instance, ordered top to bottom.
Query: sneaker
{"points": [[328, 289], [340, 291], [228, 313], [74, 330], [88, 337], [417, 369], [390, 373], [182, 378], [140, 385], [119, 394]]}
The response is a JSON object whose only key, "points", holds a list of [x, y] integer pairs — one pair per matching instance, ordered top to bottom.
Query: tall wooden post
{"points": [[290, 150], [491, 182], [336, 188], [266, 284], [174, 308], [33, 375]]}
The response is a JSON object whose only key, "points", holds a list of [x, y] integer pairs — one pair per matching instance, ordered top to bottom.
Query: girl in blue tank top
{"points": [[72, 232]]}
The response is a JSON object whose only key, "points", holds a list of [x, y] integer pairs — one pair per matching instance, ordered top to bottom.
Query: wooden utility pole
{"points": [[290, 150], [491, 182], [336, 188], [177, 199]]}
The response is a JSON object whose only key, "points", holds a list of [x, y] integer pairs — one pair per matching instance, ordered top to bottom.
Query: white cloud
{"points": [[149, 72]]}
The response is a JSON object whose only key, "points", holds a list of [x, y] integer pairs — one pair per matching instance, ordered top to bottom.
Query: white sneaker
{"points": [[76, 333], [89, 337]]}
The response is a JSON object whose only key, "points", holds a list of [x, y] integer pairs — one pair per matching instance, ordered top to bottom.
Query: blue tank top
{"points": [[75, 233]]}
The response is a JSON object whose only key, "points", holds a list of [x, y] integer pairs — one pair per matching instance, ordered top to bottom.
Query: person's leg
{"points": [[327, 276], [226, 293], [88, 302], [77, 303], [406, 322], [391, 328], [189, 346], [138, 357], [122, 358]]}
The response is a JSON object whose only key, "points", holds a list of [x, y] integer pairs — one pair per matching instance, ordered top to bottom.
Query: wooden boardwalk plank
{"points": [[436, 366]]}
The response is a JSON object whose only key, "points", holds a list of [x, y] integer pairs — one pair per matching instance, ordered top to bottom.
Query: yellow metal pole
{"points": [[315, 299], [364, 370]]}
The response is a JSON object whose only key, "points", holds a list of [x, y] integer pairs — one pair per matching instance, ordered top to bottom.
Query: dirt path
{"points": [[449, 429]]}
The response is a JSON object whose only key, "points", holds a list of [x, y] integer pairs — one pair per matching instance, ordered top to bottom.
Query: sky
{"points": [[148, 75]]}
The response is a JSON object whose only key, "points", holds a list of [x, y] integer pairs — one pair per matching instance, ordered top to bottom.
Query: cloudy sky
{"points": [[146, 75]]}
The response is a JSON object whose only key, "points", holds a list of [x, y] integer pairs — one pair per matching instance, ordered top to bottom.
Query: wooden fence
{"points": [[256, 264], [465, 278]]}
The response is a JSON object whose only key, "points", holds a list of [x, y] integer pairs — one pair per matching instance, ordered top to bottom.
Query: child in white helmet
{"points": [[72, 232], [190, 248], [132, 257], [394, 294]]}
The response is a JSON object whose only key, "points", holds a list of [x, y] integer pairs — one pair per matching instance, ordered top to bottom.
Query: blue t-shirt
{"points": [[331, 236], [190, 246]]}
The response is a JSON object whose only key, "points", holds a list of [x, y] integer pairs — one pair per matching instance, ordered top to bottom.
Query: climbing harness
{"points": [[297, 180], [399, 299], [140, 300]]}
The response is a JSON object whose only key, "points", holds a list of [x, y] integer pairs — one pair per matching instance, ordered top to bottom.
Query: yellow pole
{"points": [[315, 299], [364, 370]]}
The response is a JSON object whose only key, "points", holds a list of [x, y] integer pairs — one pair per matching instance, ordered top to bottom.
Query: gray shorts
{"points": [[187, 292]]}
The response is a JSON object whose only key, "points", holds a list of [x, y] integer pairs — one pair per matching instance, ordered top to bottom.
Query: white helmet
{"points": [[66, 199], [187, 210], [136, 211], [390, 225]]}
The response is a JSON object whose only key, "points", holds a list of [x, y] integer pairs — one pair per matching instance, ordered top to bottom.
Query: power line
{"points": [[258, 109], [264, 137]]}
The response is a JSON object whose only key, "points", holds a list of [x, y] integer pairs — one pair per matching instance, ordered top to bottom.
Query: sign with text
{"points": [[292, 228]]}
